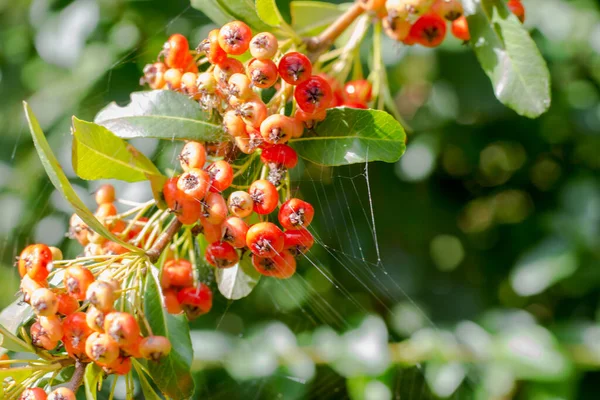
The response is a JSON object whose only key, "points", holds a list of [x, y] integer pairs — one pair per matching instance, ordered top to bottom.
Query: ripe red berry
{"points": [[517, 8], [448, 9], [460, 29], [429, 30], [234, 37], [210, 46], [264, 46], [177, 52], [226, 68], [295, 68], [262, 73], [358, 91], [314, 94], [253, 112], [277, 128], [193, 155], [280, 155], [221, 175], [194, 183], [170, 192], [105, 194], [264, 195], [240, 204], [214, 209], [295, 213], [234, 231], [212, 232], [265, 239], [298, 241], [221, 255], [35, 261], [281, 266], [179, 273], [76, 280], [101, 295], [170, 301], [195, 301], [44, 302], [67, 304], [95, 319], [121, 327], [76, 332], [40, 338], [155, 347], [100, 348], [121, 366], [62, 393], [33, 394]]}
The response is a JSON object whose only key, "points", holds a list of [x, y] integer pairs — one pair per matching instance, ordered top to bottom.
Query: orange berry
{"points": [[193, 155], [105, 194], [240, 204], [36, 261], [281, 266], [76, 280], [44, 302], [52, 325], [121, 327], [155, 347], [101, 348], [62, 393]]}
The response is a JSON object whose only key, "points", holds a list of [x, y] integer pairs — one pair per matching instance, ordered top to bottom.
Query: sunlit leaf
{"points": [[213, 10], [242, 10], [268, 12], [311, 17], [509, 57], [162, 114], [350, 136], [99, 154], [62, 184], [238, 281], [172, 373], [93, 374]]}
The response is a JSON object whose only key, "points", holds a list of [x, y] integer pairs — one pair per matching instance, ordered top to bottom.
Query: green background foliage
{"points": [[487, 228]]}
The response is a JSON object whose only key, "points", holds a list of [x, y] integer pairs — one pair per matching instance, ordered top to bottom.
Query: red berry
{"points": [[517, 8], [460, 29], [429, 30], [235, 37], [210, 46], [263, 46], [177, 52], [226, 68], [295, 68], [262, 73], [358, 91], [314, 94], [356, 105], [310, 119], [193, 155], [281, 155], [221, 175], [194, 183], [170, 192], [264, 195], [187, 209], [214, 209], [295, 213], [234, 231], [212, 232], [265, 239], [298, 241], [221, 255], [35, 261], [281, 266], [179, 273], [76, 280], [195, 300], [170, 301], [67, 304], [121, 327], [76, 332], [40, 338], [155, 347], [121, 366], [33, 394]]}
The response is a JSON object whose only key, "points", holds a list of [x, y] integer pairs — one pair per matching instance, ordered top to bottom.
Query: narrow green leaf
{"points": [[213, 10], [244, 10], [268, 11], [311, 17], [510, 58], [162, 114], [350, 136], [99, 154], [61, 183], [156, 183], [238, 281], [11, 319], [10, 342], [172, 373], [19, 374], [92, 376], [147, 389]]}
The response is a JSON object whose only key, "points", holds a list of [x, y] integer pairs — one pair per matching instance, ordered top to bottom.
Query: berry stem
{"points": [[317, 44], [163, 240], [78, 375]]}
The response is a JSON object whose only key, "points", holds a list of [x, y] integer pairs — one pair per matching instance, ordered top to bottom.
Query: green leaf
{"points": [[213, 10], [244, 10], [268, 12], [311, 17], [510, 58], [162, 114], [350, 136], [99, 154], [61, 183], [238, 281], [11, 319], [172, 373], [19, 374], [93, 374], [147, 389]]}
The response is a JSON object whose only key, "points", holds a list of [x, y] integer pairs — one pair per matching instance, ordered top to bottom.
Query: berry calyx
{"points": [[429, 30], [234, 37], [263, 46], [295, 68], [314, 94], [194, 183], [264, 196], [240, 204], [295, 213], [265, 239], [298, 241], [281, 266], [100, 348], [62, 393]]}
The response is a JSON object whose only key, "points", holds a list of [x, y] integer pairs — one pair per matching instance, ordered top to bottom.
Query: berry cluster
{"points": [[424, 21]]}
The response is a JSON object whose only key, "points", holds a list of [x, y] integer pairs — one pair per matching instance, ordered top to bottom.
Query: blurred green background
{"points": [[486, 234]]}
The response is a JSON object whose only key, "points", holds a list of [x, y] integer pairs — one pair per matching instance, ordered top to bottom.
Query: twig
{"points": [[317, 44], [163, 240], [77, 378]]}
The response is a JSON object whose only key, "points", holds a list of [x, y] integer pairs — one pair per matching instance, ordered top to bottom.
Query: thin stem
{"points": [[317, 44], [163, 240], [78, 375]]}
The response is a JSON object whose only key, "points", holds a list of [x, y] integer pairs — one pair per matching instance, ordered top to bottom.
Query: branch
{"points": [[317, 44], [163, 240], [78, 375]]}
